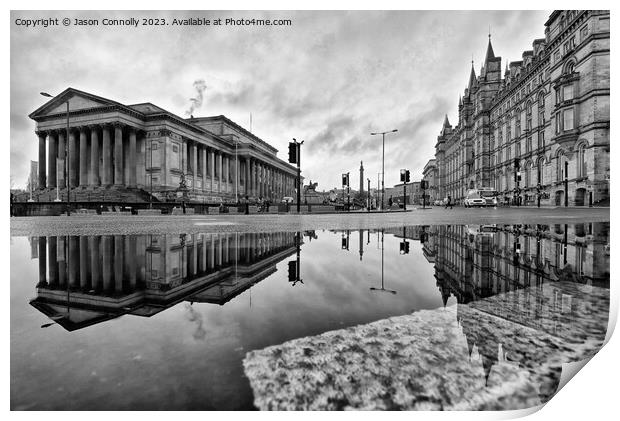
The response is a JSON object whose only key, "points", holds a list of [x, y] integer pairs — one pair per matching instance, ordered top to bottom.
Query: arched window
{"points": [[562, 22], [569, 68], [541, 109], [528, 116], [517, 120], [561, 160], [582, 165], [539, 171], [526, 176]]}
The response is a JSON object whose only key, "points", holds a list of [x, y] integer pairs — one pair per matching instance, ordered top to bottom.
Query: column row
{"points": [[98, 155]]}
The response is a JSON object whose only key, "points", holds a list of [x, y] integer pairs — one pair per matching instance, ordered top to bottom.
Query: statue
{"points": [[310, 188]]}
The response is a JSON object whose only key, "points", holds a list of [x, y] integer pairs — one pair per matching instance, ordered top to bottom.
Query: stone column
{"points": [[118, 155], [94, 156], [107, 156], [83, 157], [132, 158], [51, 160], [73, 160], [184, 160], [203, 163], [194, 164], [212, 167], [42, 171], [220, 172], [246, 181], [61, 182], [250, 183]]}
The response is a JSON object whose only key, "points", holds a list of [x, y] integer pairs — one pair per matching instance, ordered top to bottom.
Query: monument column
{"points": [[118, 154], [94, 156], [107, 156], [83, 157], [132, 158], [51, 160], [42, 171]]}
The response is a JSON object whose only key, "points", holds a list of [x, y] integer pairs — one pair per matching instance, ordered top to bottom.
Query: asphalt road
{"points": [[175, 224]]}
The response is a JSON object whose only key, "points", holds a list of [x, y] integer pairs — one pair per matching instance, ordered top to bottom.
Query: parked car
{"points": [[480, 197], [287, 199], [474, 199]]}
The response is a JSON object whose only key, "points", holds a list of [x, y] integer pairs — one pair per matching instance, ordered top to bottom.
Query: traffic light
{"points": [[292, 152], [517, 163], [407, 178], [345, 180], [345, 243], [404, 247], [292, 271]]}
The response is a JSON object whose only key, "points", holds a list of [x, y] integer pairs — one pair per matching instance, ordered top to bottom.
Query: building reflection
{"points": [[84, 280], [553, 281]]}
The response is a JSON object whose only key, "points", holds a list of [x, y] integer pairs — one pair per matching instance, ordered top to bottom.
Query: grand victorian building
{"points": [[541, 130], [141, 148]]}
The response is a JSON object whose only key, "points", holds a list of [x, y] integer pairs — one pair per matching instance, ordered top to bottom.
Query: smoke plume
{"points": [[196, 102]]}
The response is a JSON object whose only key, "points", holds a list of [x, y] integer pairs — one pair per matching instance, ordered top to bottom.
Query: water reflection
{"points": [[90, 279], [524, 294]]}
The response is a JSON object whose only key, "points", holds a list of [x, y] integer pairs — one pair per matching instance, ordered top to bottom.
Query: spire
{"points": [[490, 54], [472, 76], [460, 101], [446, 123]]}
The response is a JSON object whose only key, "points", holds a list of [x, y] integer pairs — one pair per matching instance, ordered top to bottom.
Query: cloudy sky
{"points": [[330, 78]]}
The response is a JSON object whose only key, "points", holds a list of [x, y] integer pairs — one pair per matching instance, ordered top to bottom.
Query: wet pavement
{"points": [[249, 316]]}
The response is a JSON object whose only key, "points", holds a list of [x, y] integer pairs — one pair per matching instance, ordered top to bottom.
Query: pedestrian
{"points": [[390, 202], [449, 202], [247, 205], [183, 206]]}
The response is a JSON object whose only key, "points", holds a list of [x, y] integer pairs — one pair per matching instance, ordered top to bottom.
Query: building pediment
{"points": [[78, 100]]}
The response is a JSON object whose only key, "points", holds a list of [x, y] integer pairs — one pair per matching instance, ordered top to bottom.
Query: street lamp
{"points": [[67, 157], [383, 163]]}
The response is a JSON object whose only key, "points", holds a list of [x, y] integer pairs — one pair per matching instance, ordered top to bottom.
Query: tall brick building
{"points": [[541, 130]]}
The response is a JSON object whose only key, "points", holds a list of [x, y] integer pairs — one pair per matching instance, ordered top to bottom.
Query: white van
{"points": [[484, 196]]}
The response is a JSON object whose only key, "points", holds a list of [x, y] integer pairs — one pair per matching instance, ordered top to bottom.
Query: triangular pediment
{"points": [[78, 100]]}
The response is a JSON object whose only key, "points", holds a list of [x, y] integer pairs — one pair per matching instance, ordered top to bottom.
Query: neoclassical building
{"points": [[543, 128], [141, 148]]}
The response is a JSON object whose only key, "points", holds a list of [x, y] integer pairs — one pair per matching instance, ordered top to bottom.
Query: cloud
{"points": [[330, 78]]}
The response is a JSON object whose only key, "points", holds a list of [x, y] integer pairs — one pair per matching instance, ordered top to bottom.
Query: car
{"points": [[474, 198], [287, 199]]}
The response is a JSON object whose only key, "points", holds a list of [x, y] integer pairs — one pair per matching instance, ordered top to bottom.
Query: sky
{"points": [[330, 78]]}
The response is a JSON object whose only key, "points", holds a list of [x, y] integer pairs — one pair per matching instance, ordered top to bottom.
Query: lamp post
{"points": [[67, 157], [383, 163]]}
